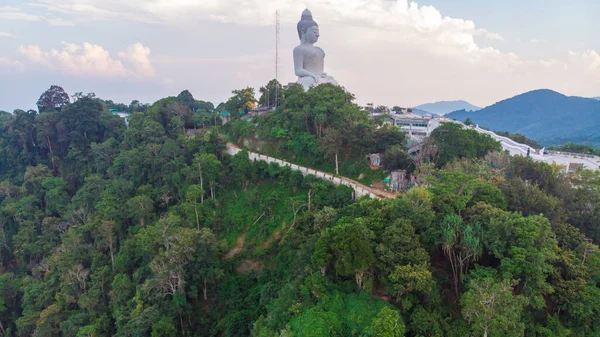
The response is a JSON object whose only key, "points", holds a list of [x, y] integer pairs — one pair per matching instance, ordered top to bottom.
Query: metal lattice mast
{"points": [[277, 28]]}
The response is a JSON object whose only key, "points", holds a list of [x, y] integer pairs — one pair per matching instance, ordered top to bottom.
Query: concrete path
{"points": [[360, 190]]}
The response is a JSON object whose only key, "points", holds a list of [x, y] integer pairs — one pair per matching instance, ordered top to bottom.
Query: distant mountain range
{"points": [[444, 107], [423, 112], [542, 115]]}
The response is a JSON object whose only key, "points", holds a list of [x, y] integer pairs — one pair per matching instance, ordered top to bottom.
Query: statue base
{"points": [[309, 82]]}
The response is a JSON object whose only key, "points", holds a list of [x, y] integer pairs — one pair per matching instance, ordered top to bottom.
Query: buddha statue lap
{"points": [[309, 60]]}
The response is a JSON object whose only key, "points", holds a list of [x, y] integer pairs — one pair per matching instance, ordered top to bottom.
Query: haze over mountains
{"points": [[444, 107], [542, 115]]}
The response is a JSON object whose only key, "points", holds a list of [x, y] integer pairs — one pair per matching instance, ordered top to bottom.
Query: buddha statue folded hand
{"points": [[309, 61]]}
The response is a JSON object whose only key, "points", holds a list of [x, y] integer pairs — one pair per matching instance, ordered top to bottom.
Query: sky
{"points": [[390, 52]]}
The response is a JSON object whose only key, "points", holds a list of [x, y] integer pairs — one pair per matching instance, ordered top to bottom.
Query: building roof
{"points": [[225, 114], [409, 116], [574, 166]]}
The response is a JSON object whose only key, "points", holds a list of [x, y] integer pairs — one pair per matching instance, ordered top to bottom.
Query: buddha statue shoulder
{"points": [[309, 60]]}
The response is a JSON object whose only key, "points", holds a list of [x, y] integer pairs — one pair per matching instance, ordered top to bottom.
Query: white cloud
{"points": [[15, 13], [9, 14], [406, 21], [60, 22], [9, 35], [494, 36], [536, 41], [388, 51], [137, 55], [92, 60], [589, 60], [5, 62], [550, 63]]}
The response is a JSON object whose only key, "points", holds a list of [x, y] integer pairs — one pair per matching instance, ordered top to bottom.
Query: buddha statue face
{"points": [[308, 29], [312, 35]]}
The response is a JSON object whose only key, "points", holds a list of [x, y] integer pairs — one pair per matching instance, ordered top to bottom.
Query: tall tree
{"points": [[53, 99], [330, 144], [461, 245], [491, 308]]}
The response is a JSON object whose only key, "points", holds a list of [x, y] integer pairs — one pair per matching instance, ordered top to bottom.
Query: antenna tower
{"points": [[277, 28]]}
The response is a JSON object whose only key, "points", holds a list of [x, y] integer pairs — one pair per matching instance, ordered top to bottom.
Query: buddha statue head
{"points": [[308, 29]]}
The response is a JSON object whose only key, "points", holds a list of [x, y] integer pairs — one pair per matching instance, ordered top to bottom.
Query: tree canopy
{"points": [[151, 230]]}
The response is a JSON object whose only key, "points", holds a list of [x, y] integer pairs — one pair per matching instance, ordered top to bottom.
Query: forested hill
{"points": [[542, 115], [153, 230]]}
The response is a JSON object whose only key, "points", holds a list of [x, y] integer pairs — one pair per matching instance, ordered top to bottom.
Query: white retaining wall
{"points": [[558, 158], [359, 190]]}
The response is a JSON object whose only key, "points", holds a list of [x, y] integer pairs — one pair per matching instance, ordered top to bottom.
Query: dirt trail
{"points": [[238, 247], [249, 265]]}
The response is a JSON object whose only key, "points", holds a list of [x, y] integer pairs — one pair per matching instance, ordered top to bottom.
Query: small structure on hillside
{"points": [[258, 111], [122, 114], [225, 117], [374, 159], [573, 167], [398, 181]]}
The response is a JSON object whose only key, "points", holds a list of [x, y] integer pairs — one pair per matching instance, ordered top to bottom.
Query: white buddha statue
{"points": [[309, 61]]}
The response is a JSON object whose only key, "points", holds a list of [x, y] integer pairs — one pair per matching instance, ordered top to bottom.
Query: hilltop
{"points": [[444, 107], [543, 115]]}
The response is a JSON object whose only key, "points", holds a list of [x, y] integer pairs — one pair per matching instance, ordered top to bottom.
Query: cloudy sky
{"points": [[390, 52]]}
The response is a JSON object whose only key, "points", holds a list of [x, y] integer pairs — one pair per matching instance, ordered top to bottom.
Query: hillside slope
{"points": [[542, 115]]}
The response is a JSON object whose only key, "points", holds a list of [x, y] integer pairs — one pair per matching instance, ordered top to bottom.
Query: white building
{"points": [[416, 126]]}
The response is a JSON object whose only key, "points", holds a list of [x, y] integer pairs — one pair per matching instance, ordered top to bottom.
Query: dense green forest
{"points": [[149, 230]]}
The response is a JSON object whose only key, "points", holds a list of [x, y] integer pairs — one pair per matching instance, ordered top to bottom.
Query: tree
{"points": [[271, 94], [187, 98], [53, 99], [241, 102], [181, 112], [468, 121], [46, 125], [386, 137], [453, 141], [330, 145], [428, 154], [395, 158], [208, 167], [242, 169], [193, 195], [56, 196], [141, 207], [106, 230], [399, 245], [461, 245], [178, 246], [351, 246], [206, 259], [411, 278], [491, 308], [388, 323]]}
